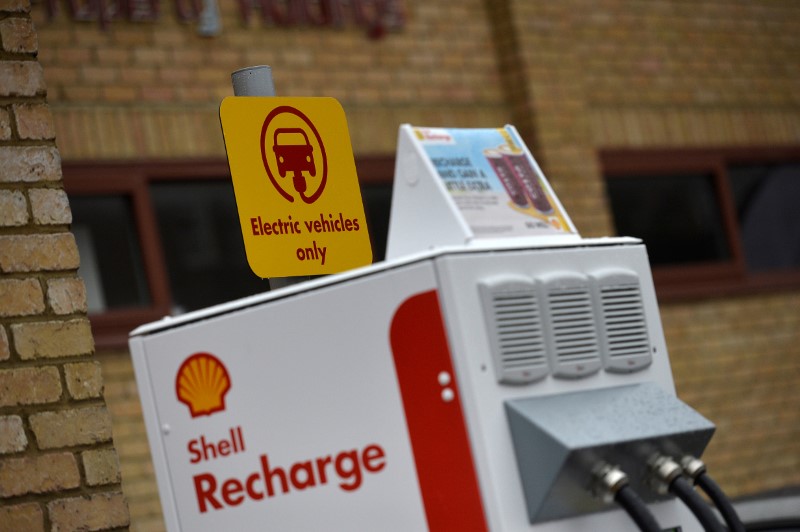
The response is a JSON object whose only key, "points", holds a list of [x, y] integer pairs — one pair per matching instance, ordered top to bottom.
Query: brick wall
{"points": [[547, 49], [611, 73], [700, 73], [575, 75], [153, 89], [737, 361], [58, 466], [139, 482]]}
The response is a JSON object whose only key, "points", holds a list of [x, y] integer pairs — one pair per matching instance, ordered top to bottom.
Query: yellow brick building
{"points": [[597, 88]]}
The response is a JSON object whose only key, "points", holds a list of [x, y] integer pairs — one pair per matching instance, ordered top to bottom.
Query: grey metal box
{"points": [[559, 439]]}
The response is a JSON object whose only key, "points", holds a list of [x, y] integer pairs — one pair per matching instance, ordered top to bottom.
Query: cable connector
{"points": [[693, 467], [663, 471], [607, 480]]}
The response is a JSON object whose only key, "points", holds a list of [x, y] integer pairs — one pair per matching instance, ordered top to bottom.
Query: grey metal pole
{"points": [[253, 81], [257, 81]]}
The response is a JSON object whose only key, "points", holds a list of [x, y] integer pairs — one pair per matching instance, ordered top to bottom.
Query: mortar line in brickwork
{"points": [[17, 56], [8, 101], [62, 107], [691, 107], [27, 185], [32, 229], [21, 363], [63, 405], [44, 498]]}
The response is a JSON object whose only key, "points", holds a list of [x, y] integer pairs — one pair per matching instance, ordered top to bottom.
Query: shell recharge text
{"points": [[346, 468]]}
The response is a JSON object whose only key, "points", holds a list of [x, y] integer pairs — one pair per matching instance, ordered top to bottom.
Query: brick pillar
{"points": [[541, 67], [513, 75], [58, 466]]}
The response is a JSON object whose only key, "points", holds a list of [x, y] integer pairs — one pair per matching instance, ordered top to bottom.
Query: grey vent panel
{"points": [[514, 324], [573, 339], [626, 342]]}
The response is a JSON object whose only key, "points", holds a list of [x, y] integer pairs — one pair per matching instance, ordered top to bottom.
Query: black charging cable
{"points": [[695, 469], [668, 477], [611, 484], [696, 504], [637, 509]]}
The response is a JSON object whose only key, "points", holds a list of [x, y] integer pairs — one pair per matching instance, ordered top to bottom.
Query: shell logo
{"points": [[201, 384]]}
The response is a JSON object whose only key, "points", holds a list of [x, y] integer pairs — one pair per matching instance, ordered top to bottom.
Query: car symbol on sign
{"points": [[294, 153]]}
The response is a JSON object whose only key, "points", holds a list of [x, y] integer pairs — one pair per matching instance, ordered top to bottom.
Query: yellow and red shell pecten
{"points": [[201, 384]]}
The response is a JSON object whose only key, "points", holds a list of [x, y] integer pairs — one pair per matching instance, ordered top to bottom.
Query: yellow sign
{"points": [[296, 185]]}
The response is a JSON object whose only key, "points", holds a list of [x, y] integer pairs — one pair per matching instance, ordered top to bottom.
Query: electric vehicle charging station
{"points": [[497, 372]]}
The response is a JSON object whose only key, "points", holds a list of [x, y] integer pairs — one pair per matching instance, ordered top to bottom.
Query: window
{"points": [[767, 200], [676, 214], [714, 221], [164, 238], [202, 244], [111, 258]]}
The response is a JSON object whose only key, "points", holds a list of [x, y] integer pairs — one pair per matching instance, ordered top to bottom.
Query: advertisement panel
{"points": [[494, 181]]}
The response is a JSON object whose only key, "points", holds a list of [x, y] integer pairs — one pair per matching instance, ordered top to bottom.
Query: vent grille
{"points": [[572, 321], [515, 324], [625, 325], [519, 330], [573, 340], [626, 342]]}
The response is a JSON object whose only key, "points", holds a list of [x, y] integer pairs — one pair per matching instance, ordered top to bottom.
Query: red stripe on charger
{"points": [[439, 440]]}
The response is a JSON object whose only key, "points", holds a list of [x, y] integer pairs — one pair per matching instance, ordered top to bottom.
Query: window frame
{"points": [[133, 179], [704, 280]]}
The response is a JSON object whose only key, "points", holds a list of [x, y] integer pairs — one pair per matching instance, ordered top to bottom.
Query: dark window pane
{"points": [[377, 204], [768, 206], [677, 216], [202, 239], [111, 260]]}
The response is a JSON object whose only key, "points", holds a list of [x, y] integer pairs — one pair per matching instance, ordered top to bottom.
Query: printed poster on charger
{"points": [[495, 182]]}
